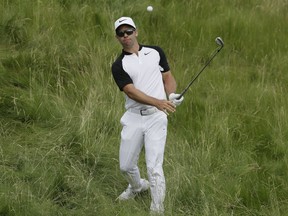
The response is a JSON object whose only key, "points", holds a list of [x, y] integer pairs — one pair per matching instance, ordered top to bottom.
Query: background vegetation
{"points": [[59, 107]]}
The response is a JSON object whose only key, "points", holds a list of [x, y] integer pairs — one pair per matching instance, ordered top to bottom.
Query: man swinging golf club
{"points": [[143, 74]]}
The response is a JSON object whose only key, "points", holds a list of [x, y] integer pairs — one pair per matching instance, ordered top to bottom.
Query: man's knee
{"points": [[126, 169]]}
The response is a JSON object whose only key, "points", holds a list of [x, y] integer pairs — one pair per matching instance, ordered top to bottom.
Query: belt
{"points": [[144, 112]]}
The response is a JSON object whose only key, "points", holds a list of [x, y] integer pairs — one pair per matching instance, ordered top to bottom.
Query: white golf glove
{"points": [[173, 97]]}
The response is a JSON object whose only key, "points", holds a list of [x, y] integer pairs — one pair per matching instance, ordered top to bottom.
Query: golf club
{"points": [[219, 42]]}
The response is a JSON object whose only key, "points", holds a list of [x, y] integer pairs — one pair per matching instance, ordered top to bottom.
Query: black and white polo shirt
{"points": [[143, 71]]}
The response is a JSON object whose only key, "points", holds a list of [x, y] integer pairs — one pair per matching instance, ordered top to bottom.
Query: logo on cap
{"points": [[122, 20]]}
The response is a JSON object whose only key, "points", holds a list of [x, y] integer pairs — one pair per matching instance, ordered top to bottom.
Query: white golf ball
{"points": [[149, 8]]}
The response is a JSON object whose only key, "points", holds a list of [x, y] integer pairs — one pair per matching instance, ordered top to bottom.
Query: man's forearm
{"points": [[169, 83], [139, 96]]}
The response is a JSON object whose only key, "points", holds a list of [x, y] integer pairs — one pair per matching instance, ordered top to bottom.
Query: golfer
{"points": [[143, 74]]}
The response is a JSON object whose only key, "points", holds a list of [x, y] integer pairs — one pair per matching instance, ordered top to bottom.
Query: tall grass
{"points": [[59, 127]]}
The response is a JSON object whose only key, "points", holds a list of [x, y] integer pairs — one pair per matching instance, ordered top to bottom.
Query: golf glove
{"points": [[173, 97]]}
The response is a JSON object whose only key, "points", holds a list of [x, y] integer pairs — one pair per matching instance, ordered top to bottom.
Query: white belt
{"points": [[144, 112]]}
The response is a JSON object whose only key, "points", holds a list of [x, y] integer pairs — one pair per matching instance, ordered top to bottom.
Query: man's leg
{"points": [[155, 139], [130, 148]]}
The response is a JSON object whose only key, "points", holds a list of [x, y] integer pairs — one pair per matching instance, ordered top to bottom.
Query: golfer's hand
{"points": [[173, 98], [166, 106]]}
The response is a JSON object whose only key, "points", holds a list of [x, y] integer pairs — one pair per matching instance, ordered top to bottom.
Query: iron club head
{"points": [[219, 41]]}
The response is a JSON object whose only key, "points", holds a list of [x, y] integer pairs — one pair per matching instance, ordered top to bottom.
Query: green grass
{"points": [[226, 151]]}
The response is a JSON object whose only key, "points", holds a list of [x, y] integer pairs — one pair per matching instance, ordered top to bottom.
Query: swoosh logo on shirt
{"points": [[147, 53]]}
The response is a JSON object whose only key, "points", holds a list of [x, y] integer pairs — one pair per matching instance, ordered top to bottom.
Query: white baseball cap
{"points": [[124, 21]]}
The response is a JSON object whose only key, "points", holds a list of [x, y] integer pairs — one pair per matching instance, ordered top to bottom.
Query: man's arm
{"points": [[169, 82], [170, 88], [141, 97]]}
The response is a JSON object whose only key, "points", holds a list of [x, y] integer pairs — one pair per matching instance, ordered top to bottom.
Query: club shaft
{"points": [[197, 75]]}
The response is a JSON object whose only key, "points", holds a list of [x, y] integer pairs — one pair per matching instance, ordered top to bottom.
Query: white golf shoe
{"points": [[130, 194]]}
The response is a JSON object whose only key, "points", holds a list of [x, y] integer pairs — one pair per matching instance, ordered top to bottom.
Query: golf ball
{"points": [[149, 8]]}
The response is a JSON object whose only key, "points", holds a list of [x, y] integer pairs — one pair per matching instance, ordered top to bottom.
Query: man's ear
{"points": [[136, 33]]}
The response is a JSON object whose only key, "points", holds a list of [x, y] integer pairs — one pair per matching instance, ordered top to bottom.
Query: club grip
{"points": [[178, 98]]}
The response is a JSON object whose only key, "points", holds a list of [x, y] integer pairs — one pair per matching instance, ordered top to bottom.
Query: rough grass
{"points": [[59, 107]]}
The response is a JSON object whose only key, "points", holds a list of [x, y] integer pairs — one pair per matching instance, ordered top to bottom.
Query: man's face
{"points": [[127, 36]]}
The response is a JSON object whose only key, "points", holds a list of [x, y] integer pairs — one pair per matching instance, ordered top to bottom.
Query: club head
{"points": [[219, 41]]}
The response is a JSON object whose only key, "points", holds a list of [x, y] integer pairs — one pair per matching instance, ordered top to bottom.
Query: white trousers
{"points": [[149, 131]]}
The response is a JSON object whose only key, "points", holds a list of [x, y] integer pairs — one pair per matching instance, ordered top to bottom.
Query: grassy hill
{"points": [[226, 151]]}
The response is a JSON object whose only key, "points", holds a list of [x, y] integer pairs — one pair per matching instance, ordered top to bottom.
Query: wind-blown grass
{"points": [[59, 107]]}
